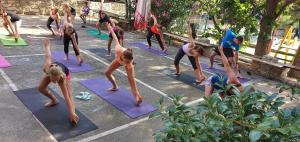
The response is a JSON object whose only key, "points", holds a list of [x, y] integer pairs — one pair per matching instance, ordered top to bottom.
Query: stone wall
{"points": [[37, 7]]}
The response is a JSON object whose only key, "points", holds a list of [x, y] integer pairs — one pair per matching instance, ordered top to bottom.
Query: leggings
{"points": [[50, 21], [149, 36], [67, 40], [180, 55]]}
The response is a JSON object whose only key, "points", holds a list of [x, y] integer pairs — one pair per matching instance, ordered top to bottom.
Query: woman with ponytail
{"points": [[123, 57], [59, 74]]}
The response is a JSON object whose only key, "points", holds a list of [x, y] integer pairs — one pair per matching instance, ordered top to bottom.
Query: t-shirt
{"points": [[13, 17], [228, 41], [186, 49]]}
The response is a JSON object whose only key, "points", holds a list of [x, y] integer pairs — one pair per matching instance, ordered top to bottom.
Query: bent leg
{"points": [[178, 57], [109, 74], [43, 89]]}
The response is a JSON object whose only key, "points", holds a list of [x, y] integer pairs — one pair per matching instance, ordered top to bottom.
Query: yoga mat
{"points": [[95, 33], [10, 41], [152, 50], [102, 52], [3, 62], [72, 63], [220, 71], [187, 79], [121, 99], [56, 118]]}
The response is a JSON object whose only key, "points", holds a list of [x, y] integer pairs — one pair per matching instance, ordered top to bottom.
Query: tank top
{"points": [[72, 10], [14, 17], [154, 29], [186, 49], [63, 68]]}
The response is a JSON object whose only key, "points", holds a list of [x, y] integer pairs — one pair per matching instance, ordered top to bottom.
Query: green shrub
{"points": [[246, 117]]}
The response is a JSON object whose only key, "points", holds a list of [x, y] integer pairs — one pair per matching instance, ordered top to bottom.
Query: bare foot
{"points": [[16, 39], [149, 47], [108, 55], [66, 58], [80, 60], [210, 67], [176, 74], [198, 82], [113, 89], [138, 100], [51, 103]]}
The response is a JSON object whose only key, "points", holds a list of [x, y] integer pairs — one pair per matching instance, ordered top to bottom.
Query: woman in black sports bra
{"points": [[71, 35], [59, 74]]}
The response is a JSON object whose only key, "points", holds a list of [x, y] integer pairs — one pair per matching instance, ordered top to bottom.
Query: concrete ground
{"points": [[18, 124]]}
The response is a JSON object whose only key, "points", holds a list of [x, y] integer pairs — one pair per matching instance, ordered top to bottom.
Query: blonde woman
{"points": [[70, 12], [124, 57], [59, 74]]}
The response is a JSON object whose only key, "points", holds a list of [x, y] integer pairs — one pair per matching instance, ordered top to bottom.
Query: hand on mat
{"points": [[138, 99], [74, 118]]}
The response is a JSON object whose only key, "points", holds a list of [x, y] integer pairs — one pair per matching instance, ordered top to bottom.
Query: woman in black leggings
{"points": [[54, 16], [155, 30], [71, 35], [193, 52]]}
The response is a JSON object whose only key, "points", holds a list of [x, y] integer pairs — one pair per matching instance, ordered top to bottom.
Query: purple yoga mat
{"points": [[152, 50], [3, 62], [72, 63], [220, 71], [121, 99]]}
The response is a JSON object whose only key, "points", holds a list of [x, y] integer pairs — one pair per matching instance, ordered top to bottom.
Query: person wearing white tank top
{"points": [[193, 52]]}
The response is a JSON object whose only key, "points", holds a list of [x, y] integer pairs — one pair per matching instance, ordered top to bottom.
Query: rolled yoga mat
{"points": [[72, 63], [121, 99], [56, 118]]}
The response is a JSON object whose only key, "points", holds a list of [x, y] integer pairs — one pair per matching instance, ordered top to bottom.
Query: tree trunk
{"points": [[266, 26], [264, 37]]}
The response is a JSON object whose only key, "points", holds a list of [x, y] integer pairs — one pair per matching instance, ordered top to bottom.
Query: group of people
{"points": [[58, 73]]}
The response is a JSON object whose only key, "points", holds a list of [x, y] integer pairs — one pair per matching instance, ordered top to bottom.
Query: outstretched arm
{"points": [[101, 5], [154, 19], [110, 29], [191, 40], [47, 55], [227, 67], [131, 78]]}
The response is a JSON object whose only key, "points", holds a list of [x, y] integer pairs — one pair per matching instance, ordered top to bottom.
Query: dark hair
{"points": [[86, 3], [121, 33], [240, 39], [199, 49], [128, 54]]}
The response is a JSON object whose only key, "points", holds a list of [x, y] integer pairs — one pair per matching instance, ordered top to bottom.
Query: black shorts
{"points": [[227, 51]]}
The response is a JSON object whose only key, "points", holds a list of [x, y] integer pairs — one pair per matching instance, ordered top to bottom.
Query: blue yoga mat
{"points": [[152, 50], [72, 63], [121, 99], [56, 118]]}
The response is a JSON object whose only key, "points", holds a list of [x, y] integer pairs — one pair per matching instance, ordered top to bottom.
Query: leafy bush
{"points": [[246, 117]]}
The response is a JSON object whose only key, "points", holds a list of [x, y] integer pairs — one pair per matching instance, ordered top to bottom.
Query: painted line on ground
{"points": [[29, 55], [14, 88], [114, 130]]}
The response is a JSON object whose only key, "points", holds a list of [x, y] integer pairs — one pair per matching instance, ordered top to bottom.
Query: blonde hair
{"points": [[56, 71]]}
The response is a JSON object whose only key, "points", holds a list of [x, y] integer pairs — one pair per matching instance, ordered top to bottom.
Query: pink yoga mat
{"points": [[3, 62]]}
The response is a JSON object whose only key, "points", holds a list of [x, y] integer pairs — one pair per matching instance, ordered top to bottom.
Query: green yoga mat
{"points": [[95, 33], [10, 41]]}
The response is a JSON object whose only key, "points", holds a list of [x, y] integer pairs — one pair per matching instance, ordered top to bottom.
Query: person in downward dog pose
{"points": [[84, 12], [70, 13], [54, 16], [11, 21], [156, 30], [119, 33], [71, 35], [193, 52], [123, 57], [57, 73], [217, 82]]}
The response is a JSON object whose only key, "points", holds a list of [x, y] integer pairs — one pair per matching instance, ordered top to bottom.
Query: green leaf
{"points": [[161, 100], [155, 114], [253, 117], [295, 129], [283, 131], [255, 135]]}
